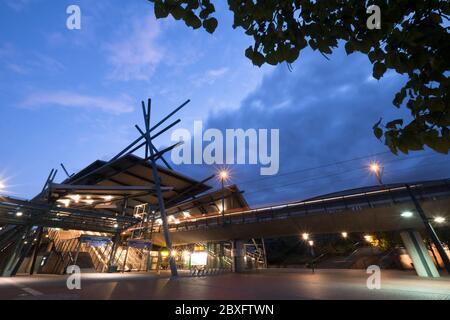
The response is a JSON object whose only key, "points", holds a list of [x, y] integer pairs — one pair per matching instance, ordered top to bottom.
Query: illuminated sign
{"points": [[199, 258]]}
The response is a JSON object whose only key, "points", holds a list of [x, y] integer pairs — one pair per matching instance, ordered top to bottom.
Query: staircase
{"points": [[254, 252]]}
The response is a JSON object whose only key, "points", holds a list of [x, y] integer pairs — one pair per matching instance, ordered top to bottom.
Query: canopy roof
{"points": [[105, 185], [211, 203]]}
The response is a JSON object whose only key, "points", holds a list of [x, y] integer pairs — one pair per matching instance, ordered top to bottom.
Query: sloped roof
{"points": [[128, 171], [211, 202]]}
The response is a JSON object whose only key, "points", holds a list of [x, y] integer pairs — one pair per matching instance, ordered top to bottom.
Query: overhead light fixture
{"points": [[75, 198], [108, 198], [65, 202], [19, 213], [186, 214], [406, 214], [439, 219], [116, 225], [305, 236], [173, 253]]}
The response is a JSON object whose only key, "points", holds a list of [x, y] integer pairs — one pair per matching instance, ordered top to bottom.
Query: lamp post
{"points": [[377, 169], [223, 174], [311, 247]]}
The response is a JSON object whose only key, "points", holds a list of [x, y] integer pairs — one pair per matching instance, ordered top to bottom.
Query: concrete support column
{"points": [[238, 254], [423, 264]]}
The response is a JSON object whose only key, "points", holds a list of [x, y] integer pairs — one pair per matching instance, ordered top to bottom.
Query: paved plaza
{"points": [[268, 284]]}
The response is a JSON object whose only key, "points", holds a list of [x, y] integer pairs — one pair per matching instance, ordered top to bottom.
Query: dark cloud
{"points": [[325, 111]]}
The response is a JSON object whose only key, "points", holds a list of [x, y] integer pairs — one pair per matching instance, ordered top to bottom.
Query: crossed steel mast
{"points": [[149, 147], [152, 154], [155, 155]]}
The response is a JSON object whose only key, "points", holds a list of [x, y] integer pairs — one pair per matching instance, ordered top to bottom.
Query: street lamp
{"points": [[377, 169], [344, 235], [305, 236], [311, 250]]}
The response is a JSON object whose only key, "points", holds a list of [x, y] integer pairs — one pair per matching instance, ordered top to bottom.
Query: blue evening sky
{"points": [[73, 96]]}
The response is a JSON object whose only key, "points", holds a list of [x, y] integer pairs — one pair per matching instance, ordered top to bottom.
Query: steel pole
{"points": [[157, 182], [223, 202]]}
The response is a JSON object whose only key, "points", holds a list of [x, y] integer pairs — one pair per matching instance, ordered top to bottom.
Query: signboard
{"points": [[95, 241], [139, 243]]}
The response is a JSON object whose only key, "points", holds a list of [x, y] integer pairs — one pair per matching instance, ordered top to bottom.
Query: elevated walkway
{"points": [[376, 209]]}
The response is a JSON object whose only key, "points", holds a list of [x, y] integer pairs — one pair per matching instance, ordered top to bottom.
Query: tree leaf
{"points": [[160, 10], [192, 20], [210, 24], [379, 69], [394, 123], [378, 132]]}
